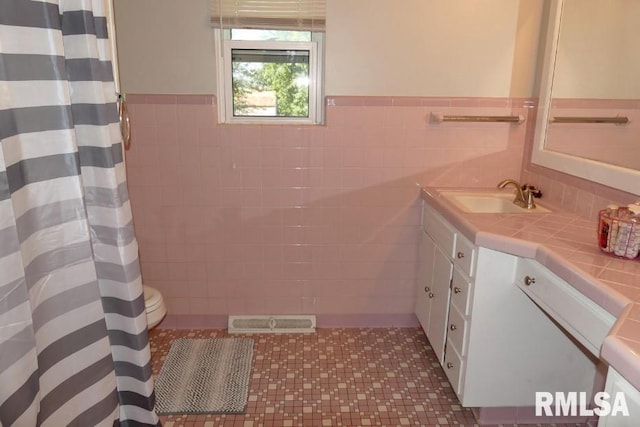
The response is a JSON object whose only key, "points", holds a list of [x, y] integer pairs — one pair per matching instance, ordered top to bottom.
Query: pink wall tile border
{"points": [[134, 98], [352, 101], [417, 101], [595, 103], [409, 320], [193, 321]]}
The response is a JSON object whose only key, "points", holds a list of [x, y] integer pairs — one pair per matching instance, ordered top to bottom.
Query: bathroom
{"points": [[321, 219], [324, 219]]}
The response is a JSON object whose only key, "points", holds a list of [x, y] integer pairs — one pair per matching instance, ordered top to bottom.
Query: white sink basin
{"points": [[488, 202]]}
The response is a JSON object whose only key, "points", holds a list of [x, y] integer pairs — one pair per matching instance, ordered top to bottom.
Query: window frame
{"points": [[315, 47]]}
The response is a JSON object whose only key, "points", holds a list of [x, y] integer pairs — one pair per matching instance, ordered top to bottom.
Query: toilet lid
{"points": [[152, 298]]}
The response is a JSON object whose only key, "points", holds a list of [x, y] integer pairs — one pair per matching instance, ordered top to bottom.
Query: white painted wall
{"points": [[165, 46], [373, 47], [420, 48], [524, 72]]}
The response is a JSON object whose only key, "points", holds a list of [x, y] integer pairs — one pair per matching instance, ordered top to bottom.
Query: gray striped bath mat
{"points": [[201, 376]]}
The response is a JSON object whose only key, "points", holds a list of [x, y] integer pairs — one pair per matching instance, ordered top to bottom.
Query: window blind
{"points": [[306, 15]]}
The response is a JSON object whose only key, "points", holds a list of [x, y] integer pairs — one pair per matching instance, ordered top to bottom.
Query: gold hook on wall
{"points": [[125, 121]]}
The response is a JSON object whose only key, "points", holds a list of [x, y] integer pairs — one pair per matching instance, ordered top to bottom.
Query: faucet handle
{"points": [[532, 190]]}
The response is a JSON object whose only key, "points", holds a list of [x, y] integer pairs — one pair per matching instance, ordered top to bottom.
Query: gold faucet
{"points": [[524, 198]]}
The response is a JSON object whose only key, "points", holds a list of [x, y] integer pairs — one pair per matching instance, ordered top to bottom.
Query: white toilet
{"points": [[154, 306]]}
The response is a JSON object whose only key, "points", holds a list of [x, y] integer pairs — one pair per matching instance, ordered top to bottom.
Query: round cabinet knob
{"points": [[460, 255], [528, 280], [427, 289], [457, 290], [431, 295], [453, 327], [449, 365]]}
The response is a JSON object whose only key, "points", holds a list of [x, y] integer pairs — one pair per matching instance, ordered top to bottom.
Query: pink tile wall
{"points": [[574, 194], [248, 219]]}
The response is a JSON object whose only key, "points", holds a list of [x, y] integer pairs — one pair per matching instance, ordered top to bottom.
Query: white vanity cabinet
{"points": [[496, 347], [616, 384]]}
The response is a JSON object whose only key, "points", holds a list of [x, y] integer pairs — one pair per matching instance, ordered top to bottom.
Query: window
{"points": [[269, 66], [269, 82]]}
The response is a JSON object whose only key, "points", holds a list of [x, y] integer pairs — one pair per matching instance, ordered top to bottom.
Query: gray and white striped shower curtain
{"points": [[74, 348]]}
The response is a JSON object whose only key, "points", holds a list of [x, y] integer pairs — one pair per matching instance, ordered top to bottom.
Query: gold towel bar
{"points": [[440, 117], [618, 120]]}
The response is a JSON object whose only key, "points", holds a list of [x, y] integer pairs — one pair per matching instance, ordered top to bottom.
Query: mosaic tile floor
{"points": [[335, 377]]}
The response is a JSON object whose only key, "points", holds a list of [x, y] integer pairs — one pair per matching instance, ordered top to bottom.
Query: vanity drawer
{"points": [[439, 229], [465, 255], [460, 292], [580, 316], [457, 330], [453, 368]]}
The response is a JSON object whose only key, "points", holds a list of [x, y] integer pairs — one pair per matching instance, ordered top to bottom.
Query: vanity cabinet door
{"points": [[424, 288], [433, 291], [439, 316]]}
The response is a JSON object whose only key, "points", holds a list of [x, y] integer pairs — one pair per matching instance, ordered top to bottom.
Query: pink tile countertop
{"points": [[566, 244]]}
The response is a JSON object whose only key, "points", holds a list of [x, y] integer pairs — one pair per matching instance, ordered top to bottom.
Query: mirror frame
{"points": [[603, 173]]}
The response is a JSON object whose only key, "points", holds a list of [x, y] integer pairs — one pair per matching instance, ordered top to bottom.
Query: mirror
{"points": [[588, 122]]}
